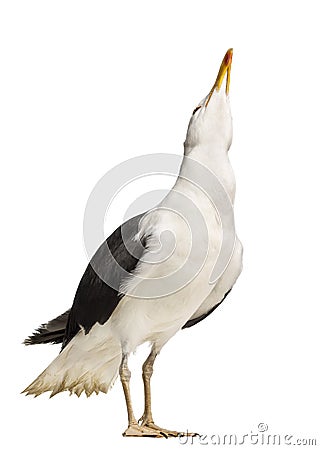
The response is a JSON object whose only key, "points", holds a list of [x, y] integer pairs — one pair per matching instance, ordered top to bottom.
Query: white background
{"points": [[87, 85]]}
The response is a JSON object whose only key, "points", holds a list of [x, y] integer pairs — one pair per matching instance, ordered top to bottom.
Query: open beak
{"points": [[225, 68]]}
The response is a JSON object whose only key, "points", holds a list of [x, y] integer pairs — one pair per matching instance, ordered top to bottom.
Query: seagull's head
{"points": [[210, 126]]}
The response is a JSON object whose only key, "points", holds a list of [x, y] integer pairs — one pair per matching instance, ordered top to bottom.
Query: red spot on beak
{"points": [[228, 58]]}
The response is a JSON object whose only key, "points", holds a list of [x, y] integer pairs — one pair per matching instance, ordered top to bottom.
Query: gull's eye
{"points": [[196, 109]]}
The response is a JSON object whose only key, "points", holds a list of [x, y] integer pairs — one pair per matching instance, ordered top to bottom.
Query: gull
{"points": [[161, 271]]}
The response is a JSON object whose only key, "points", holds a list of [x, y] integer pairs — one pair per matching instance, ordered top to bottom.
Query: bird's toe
{"points": [[136, 430], [168, 433]]}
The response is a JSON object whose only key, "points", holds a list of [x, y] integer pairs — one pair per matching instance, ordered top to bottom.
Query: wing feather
{"points": [[98, 293]]}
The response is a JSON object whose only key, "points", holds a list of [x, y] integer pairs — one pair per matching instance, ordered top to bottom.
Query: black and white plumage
{"points": [[89, 305], [108, 321]]}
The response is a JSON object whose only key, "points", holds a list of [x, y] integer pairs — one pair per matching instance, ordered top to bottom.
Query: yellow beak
{"points": [[225, 68]]}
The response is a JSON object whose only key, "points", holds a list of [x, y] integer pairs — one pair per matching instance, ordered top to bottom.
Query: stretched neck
{"points": [[215, 159]]}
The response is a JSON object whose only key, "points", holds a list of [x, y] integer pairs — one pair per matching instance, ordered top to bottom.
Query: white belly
{"points": [[155, 320]]}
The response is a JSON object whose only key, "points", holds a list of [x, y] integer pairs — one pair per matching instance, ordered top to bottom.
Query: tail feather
{"points": [[51, 332], [89, 363]]}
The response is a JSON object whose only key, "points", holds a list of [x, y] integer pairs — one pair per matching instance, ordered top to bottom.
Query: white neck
{"points": [[217, 161]]}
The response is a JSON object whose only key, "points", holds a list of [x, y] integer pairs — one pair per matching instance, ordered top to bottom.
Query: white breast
{"points": [[224, 284]]}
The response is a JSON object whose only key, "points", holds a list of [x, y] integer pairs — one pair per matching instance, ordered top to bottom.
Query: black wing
{"points": [[96, 298]]}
